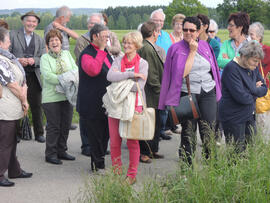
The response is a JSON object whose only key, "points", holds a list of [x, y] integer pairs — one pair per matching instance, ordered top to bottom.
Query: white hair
{"points": [[160, 10], [63, 11], [96, 14], [213, 23], [259, 29]]}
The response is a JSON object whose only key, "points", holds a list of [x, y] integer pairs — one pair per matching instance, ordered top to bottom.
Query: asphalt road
{"points": [[63, 183]]}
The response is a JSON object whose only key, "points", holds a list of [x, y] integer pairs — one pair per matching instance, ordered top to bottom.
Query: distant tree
{"points": [[186, 7], [134, 20], [121, 22], [111, 23]]}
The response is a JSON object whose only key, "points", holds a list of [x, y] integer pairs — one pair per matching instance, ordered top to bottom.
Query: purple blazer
{"points": [[174, 70]]}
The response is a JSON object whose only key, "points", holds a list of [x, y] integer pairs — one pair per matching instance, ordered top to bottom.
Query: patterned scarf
{"points": [[14, 60], [61, 66]]}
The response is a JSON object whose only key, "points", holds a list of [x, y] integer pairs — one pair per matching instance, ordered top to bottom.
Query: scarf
{"points": [[14, 60], [128, 64], [61, 66]]}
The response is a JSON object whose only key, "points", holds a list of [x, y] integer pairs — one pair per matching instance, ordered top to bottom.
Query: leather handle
{"points": [[194, 111], [174, 116]]}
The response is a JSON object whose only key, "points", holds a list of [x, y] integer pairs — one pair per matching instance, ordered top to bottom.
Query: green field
{"points": [[222, 34]]}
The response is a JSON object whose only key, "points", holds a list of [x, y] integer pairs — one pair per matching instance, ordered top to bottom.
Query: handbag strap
{"points": [[261, 69], [188, 85], [140, 95]]}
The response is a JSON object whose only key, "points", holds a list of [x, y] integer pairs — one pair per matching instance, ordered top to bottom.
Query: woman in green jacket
{"points": [[238, 24], [56, 107]]}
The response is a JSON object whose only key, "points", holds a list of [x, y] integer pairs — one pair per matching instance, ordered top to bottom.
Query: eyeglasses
{"points": [[178, 24], [231, 25], [190, 30], [211, 31], [104, 36]]}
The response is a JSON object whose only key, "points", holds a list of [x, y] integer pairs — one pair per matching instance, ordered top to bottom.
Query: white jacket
{"points": [[119, 101]]}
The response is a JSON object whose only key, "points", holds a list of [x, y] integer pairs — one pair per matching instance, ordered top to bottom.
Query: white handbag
{"points": [[142, 126]]}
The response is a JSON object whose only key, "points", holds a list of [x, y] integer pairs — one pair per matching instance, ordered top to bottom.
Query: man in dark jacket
{"points": [[28, 47], [150, 52], [94, 64]]}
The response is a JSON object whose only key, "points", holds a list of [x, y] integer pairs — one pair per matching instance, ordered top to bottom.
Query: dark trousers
{"points": [[34, 99], [208, 107], [59, 117], [239, 133], [98, 136], [84, 138], [8, 146], [149, 147]]}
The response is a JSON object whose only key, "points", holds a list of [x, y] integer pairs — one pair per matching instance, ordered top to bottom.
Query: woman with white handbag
{"points": [[130, 66]]}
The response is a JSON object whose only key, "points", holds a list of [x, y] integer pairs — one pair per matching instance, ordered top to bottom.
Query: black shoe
{"points": [[73, 127], [165, 137], [40, 138], [86, 152], [66, 156], [157, 156], [53, 160], [23, 175], [6, 183]]}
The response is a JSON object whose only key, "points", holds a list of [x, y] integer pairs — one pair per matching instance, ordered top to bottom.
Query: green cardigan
{"points": [[226, 48], [155, 71], [50, 78]]}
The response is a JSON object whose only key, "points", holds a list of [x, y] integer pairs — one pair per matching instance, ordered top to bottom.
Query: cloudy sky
{"points": [[11, 4]]}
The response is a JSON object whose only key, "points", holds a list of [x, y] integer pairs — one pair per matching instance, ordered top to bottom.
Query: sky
{"points": [[11, 4]]}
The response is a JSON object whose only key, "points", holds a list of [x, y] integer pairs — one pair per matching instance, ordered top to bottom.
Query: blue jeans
{"points": [[163, 119]]}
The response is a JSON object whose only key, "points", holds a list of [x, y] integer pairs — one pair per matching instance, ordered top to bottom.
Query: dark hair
{"points": [[105, 18], [240, 19], [194, 20], [205, 20], [3, 23], [97, 28], [148, 29], [3, 33], [53, 33]]}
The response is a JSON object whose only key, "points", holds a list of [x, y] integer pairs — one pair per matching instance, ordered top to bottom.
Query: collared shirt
{"points": [[27, 37], [199, 76]]}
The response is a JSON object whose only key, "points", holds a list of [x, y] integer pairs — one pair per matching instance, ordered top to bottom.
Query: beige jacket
{"points": [[119, 99], [10, 105]]}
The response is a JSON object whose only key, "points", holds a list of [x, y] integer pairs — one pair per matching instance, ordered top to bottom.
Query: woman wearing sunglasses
{"points": [[192, 57]]}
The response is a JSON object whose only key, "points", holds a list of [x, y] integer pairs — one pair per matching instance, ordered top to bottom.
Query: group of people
{"points": [[43, 73]]}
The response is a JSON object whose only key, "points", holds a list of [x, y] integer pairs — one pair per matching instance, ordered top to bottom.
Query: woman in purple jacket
{"points": [[195, 58]]}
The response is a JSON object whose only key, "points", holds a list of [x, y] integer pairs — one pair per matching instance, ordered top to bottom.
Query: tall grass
{"points": [[226, 177]]}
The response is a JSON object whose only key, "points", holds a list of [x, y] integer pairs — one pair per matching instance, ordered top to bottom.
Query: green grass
{"points": [[226, 177]]}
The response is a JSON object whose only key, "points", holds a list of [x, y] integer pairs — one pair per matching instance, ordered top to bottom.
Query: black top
{"points": [[29, 53], [92, 89], [239, 93]]}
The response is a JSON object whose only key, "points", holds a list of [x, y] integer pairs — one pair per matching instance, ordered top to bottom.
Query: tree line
{"points": [[122, 18]]}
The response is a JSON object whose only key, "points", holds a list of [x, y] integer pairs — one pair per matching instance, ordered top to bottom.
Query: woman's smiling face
{"points": [[55, 44]]}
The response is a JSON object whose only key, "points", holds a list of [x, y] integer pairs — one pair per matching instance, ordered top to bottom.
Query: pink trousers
{"points": [[115, 147]]}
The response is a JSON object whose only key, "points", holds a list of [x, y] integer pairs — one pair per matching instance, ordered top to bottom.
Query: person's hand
{"points": [[57, 25], [193, 45], [225, 56], [23, 61], [31, 61], [139, 75], [259, 84], [25, 107]]}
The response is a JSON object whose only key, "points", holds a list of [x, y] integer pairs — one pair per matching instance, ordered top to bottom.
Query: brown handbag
{"points": [[188, 107]]}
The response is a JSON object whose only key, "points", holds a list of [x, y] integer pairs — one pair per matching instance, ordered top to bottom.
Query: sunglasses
{"points": [[190, 30], [211, 31]]}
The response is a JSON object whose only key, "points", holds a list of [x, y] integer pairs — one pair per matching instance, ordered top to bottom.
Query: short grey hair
{"points": [[160, 10], [63, 11], [96, 14], [213, 23], [97, 29], [259, 29], [3, 33], [252, 49]]}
